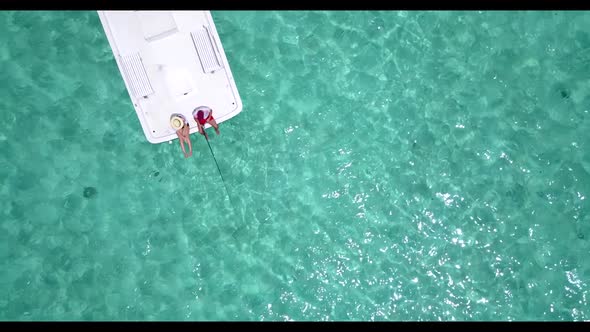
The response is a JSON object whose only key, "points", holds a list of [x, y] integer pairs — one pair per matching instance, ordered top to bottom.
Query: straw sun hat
{"points": [[176, 121]]}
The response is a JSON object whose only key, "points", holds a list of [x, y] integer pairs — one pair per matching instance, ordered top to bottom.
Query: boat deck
{"points": [[171, 62]]}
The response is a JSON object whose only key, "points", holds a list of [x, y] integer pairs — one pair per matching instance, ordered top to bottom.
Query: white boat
{"points": [[171, 62]]}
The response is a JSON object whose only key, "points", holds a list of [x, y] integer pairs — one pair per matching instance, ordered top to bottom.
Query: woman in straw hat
{"points": [[179, 123]]}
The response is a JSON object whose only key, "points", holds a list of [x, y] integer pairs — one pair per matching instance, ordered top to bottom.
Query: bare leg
{"points": [[214, 124], [181, 140], [188, 140], [186, 155]]}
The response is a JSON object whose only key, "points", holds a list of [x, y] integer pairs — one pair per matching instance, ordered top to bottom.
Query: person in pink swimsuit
{"points": [[203, 115]]}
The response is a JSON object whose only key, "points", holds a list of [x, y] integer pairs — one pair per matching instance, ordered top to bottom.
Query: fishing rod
{"points": [[219, 170]]}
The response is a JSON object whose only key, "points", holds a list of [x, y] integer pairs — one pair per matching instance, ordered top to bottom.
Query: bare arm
{"points": [[202, 131]]}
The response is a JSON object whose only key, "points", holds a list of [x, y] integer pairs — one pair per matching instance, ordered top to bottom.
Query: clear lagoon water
{"points": [[387, 166]]}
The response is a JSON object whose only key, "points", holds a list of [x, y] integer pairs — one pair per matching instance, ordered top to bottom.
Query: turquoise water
{"points": [[386, 166]]}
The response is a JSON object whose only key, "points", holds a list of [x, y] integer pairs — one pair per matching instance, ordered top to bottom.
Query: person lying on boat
{"points": [[203, 115], [183, 131]]}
